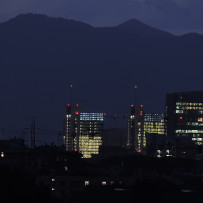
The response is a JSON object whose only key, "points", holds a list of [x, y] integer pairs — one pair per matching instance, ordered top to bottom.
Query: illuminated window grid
{"points": [[182, 107], [91, 117], [154, 127], [89, 145]]}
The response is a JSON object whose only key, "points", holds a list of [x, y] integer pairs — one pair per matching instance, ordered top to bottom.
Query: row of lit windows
{"points": [[188, 104], [189, 108], [92, 116], [153, 117], [90, 122], [154, 123], [159, 126], [91, 128], [156, 128], [155, 131], [189, 131], [88, 137], [197, 139], [90, 143], [198, 143], [89, 146], [89, 149]]}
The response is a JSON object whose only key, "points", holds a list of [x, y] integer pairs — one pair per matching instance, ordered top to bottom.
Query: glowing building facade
{"points": [[184, 113], [154, 124], [143, 128], [91, 130], [83, 131], [155, 134]]}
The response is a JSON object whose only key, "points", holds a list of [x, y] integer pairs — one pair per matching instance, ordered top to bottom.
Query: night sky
{"points": [[176, 16], [32, 88]]}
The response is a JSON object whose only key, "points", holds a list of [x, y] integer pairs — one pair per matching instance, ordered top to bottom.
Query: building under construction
{"points": [[83, 131], [136, 140]]}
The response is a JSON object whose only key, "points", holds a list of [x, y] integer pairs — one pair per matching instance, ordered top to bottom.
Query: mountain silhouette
{"points": [[141, 29], [40, 56]]}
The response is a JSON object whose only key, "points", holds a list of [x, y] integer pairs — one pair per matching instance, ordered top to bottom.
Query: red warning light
{"points": [[71, 85], [136, 86], [68, 104], [77, 105], [131, 105], [141, 105], [76, 112], [140, 113], [105, 114], [181, 118], [76, 150], [138, 150]]}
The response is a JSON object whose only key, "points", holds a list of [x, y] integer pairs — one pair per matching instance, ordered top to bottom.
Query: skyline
{"points": [[37, 65], [101, 100]]}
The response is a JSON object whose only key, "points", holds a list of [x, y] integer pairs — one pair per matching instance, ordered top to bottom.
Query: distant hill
{"points": [[45, 22], [141, 29], [41, 55]]}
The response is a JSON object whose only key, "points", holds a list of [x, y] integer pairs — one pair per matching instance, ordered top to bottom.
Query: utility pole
{"points": [[32, 133]]}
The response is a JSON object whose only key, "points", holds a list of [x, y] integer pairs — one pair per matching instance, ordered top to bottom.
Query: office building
{"points": [[184, 113], [154, 124], [83, 131], [91, 131], [155, 134]]}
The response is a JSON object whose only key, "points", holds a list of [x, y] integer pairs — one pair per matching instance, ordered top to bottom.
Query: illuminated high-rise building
{"points": [[184, 113], [83, 131], [91, 131], [155, 134], [136, 140]]}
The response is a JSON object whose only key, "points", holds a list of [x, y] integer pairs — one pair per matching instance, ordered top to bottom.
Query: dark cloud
{"points": [[172, 15]]}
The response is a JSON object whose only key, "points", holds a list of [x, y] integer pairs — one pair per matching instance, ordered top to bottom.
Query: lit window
{"points": [[200, 119], [2, 154], [87, 182], [103, 183]]}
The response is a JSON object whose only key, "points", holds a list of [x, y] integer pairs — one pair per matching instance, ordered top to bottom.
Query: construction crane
{"points": [[115, 116]]}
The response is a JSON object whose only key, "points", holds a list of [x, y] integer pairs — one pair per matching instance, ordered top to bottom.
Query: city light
{"points": [[2, 155]]}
